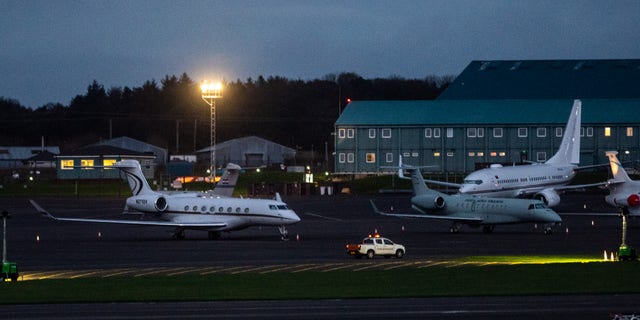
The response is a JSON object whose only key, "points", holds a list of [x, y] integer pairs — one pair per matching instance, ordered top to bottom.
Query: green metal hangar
{"points": [[497, 112]]}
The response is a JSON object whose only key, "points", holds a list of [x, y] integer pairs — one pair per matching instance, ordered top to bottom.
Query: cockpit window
{"points": [[472, 182], [531, 206], [541, 206], [273, 207], [282, 207]]}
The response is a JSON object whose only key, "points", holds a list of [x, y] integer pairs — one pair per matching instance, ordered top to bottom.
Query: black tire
{"points": [[371, 254], [399, 254]]}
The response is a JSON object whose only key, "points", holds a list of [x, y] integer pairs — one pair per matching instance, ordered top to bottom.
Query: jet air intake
{"points": [[633, 200], [431, 201], [148, 203]]}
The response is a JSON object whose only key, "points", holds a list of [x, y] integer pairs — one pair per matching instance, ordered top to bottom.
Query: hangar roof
{"points": [[547, 79], [486, 112]]}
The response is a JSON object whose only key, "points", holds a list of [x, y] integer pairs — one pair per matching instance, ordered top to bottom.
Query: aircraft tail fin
{"points": [[569, 150], [619, 174], [135, 177], [227, 182]]}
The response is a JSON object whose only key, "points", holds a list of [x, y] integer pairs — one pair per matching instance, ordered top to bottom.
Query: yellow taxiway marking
{"points": [[401, 265]]}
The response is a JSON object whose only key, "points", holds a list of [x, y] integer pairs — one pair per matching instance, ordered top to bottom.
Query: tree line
{"points": [[171, 114]]}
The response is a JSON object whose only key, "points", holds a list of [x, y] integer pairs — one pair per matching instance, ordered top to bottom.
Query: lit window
{"points": [[607, 131], [497, 132], [522, 132], [541, 132], [558, 132], [629, 132], [342, 133], [372, 133], [386, 133], [493, 153], [502, 153], [436, 154], [472, 154], [480, 154], [371, 157], [108, 163], [66, 164], [86, 164]]}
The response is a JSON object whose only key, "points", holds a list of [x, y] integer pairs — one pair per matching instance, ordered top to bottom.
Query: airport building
{"points": [[497, 112]]}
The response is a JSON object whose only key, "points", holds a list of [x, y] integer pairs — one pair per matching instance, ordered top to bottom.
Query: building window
{"points": [[582, 131], [607, 131], [427, 132], [436, 132], [449, 132], [471, 132], [480, 132], [497, 132], [522, 132], [541, 132], [558, 132], [589, 132], [629, 132], [342, 133], [350, 133], [372, 133], [386, 133], [449, 153], [502, 153], [414, 154], [436, 154], [472, 154], [480, 154], [493, 154], [541, 156], [350, 157], [371, 157], [389, 157], [342, 158], [108, 163], [66, 164], [86, 164]]}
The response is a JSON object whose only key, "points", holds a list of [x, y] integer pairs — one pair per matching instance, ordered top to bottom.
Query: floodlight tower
{"points": [[210, 93]]}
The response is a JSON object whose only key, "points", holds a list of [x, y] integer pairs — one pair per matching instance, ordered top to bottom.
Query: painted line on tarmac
{"points": [[323, 217], [323, 265], [402, 265], [341, 266], [372, 266], [287, 268], [255, 269], [209, 270], [118, 272], [86, 273]]}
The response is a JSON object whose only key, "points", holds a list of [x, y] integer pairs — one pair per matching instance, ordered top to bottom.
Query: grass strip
{"points": [[564, 278]]}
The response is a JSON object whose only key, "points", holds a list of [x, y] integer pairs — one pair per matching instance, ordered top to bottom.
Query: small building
{"points": [[249, 151], [19, 156], [93, 162]]}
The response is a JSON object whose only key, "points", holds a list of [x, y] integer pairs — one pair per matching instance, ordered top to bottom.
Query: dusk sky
{"points": [[50, 51]]}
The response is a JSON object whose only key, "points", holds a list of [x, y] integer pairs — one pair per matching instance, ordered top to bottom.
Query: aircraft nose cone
{"points": [[293, 217]]}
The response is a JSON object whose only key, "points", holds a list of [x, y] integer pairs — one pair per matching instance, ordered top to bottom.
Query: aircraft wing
{"points": [[442, 183], [528, 192], [426, 216], [157, 223]]}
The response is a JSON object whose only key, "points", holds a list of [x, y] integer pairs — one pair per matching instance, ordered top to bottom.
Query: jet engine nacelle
{"points": [[549, 197], [429, 201], [631, 201], [148, 203]]}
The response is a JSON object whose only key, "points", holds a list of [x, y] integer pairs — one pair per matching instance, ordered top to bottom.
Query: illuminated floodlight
{"points": [[211, 91]]}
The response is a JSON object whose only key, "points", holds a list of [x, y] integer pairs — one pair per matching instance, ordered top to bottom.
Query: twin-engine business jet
{"points": [[540, 180], [624, 193], [472, 210], [193, 211]]}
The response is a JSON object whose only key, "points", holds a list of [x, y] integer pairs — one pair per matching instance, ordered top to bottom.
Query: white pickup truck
{"points": [[375, 245]]}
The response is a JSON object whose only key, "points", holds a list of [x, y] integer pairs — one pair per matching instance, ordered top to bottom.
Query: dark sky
{"points": [[50, 51]]}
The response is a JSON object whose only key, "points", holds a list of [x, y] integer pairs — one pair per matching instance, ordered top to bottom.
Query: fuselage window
{"points": [[186, 208], [195, 208], [203, 209], [212, 209], [221, 209], [229, 209], [238, 210], [246, 210]]}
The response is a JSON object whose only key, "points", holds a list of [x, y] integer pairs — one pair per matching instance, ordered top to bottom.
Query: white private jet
{"points": [[540, 180], [624, 193], [472, 210], [192, 211]]}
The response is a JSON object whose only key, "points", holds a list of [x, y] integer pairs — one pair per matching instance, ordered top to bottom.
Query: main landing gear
{"points": [[178, 234]]}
